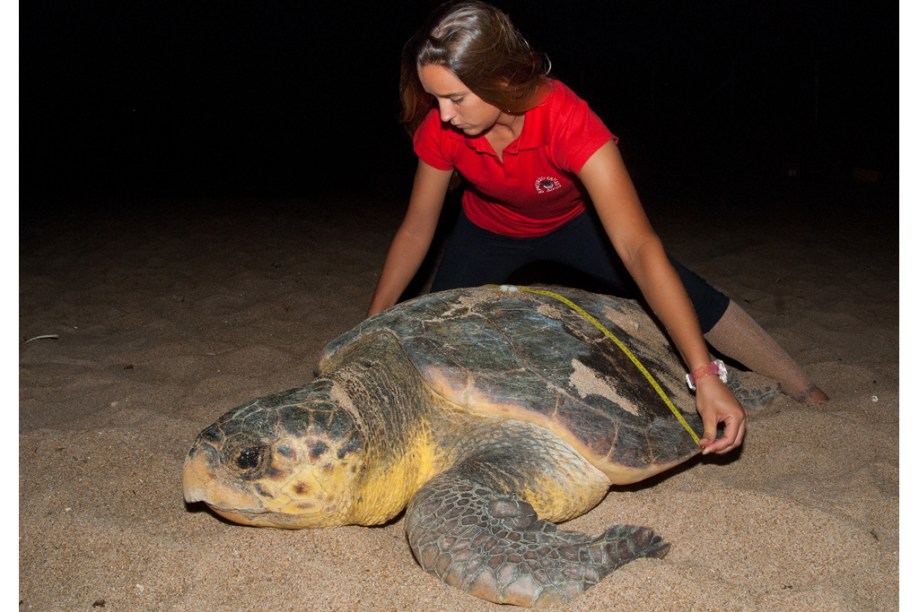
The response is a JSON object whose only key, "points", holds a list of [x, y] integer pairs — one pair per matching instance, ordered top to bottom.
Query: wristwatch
{"points": [[716, 367]]}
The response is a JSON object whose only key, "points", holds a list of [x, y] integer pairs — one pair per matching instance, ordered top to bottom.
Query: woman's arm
{"points": [[614, 196], [413, 238]]}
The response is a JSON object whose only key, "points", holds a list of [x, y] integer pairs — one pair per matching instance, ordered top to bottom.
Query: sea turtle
{"points": [[491, 413]]}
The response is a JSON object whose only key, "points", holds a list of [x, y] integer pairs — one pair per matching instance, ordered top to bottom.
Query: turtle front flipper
{"points": [[471, 527], [493, 546]]}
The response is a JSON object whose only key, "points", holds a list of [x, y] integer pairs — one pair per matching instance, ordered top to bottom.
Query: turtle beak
{"points": [[195, 477], [192, 489]]}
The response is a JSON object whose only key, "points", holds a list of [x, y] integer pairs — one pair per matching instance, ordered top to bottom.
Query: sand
{"points": [[166, 314]]}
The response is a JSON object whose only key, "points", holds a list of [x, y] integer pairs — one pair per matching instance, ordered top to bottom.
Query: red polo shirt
{"points": [[535, 189]]}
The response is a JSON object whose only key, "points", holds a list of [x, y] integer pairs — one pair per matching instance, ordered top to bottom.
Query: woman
{"points": [[536, 160]]}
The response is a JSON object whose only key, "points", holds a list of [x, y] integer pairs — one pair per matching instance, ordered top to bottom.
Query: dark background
{"points": [[299, 99]]}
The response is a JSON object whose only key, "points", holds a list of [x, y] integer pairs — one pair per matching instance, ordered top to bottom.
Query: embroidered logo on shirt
{"points": [[545, 184]]}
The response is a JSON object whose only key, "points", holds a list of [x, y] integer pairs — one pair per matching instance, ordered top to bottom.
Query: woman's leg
{"points": [[739, 337]]}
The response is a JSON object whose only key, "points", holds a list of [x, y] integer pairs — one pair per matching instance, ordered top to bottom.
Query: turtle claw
{"points": [[624, 543]]}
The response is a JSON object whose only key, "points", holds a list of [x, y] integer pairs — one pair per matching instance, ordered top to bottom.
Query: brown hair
{"points": [[479, 44]]}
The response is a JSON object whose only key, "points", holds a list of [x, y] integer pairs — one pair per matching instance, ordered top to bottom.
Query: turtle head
{"points": [[287, 460]]}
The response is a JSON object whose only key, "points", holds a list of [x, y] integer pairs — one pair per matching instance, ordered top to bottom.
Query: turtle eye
{"points": [[249, 458]]}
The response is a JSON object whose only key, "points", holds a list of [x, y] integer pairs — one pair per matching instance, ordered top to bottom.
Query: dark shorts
{"points": [[475, 256]]}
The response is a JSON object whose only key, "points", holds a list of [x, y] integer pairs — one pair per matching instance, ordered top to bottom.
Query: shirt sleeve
{"points": [[577, 133], [429, 143]]}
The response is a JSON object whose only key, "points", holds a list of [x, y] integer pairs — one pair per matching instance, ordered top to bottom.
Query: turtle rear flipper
{"points": [[753, 391], [474, 526], [493, 546]]}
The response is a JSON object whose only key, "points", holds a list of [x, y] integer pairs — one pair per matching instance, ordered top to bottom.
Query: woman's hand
{"points": [[716, 404]]}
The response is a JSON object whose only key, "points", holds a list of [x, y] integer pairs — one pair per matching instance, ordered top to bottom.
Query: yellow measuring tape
{"points": [[596, 323]]}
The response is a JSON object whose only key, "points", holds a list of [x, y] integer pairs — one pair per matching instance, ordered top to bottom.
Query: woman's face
{"points": [[458, 106]]}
